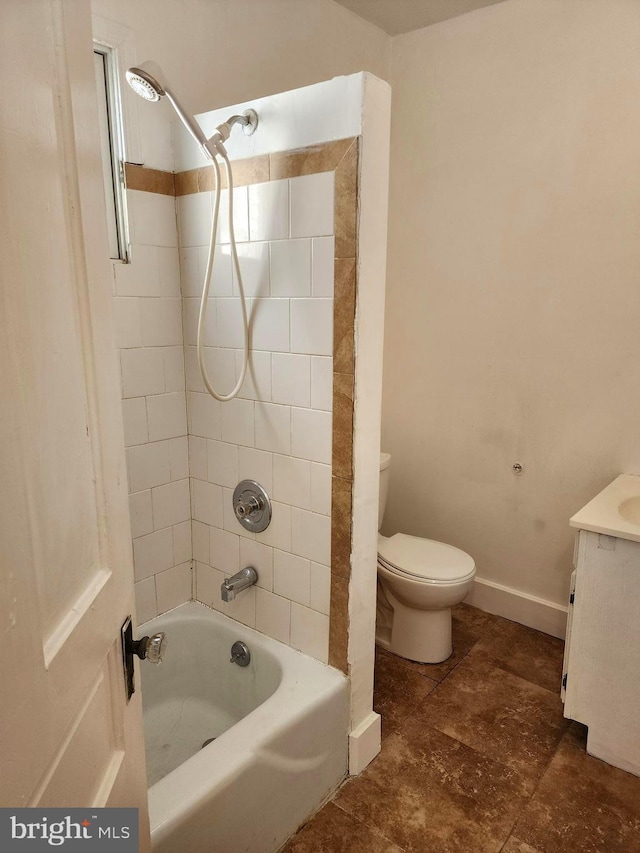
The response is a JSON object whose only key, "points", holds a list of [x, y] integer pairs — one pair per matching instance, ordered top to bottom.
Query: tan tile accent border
{"points": [[340, 157], [148, 180]]}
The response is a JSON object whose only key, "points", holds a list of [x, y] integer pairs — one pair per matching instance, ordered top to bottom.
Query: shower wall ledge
{"points": [[299, 118]]}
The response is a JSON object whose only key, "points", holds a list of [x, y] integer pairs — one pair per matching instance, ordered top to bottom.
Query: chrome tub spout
{"points": [[236, 583]]}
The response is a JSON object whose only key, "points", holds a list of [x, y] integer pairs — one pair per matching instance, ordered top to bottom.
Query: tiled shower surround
{"points": [[148, 308], [291, 426]]}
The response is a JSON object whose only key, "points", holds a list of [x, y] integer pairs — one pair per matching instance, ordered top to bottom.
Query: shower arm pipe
{"points": [[223, 398]]}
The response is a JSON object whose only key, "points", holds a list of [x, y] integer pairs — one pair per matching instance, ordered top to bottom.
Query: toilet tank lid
{"points": [[385, 460], [425, 558]]}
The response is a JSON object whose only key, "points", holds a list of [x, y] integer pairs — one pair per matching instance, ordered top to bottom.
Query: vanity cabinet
{"points": [[601, 678]]}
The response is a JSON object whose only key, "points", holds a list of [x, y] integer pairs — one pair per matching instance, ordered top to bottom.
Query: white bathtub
{"points": [[280, 725]]}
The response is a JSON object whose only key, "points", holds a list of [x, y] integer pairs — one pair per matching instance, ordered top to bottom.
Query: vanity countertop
{"points": [[614, 511]]}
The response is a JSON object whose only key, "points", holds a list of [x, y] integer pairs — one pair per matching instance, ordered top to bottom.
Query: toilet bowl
{"points": [[419, 581]]}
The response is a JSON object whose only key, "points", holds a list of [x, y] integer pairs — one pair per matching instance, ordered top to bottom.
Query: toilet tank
{"points": [[385, 473]]}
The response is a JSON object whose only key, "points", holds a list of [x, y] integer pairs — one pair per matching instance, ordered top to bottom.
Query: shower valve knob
{"points": [[252, 506], [246, 507]]}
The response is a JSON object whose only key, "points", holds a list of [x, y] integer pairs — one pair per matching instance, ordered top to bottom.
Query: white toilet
{"points": [[419, 581]]}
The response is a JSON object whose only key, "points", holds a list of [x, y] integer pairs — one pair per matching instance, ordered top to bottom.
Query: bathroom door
{"points": [[68, 736]]}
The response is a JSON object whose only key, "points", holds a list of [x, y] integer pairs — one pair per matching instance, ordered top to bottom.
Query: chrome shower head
{"points": [[144, 84]]}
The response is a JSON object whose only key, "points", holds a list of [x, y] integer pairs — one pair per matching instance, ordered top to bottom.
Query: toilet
{"points": [[419, 581]]}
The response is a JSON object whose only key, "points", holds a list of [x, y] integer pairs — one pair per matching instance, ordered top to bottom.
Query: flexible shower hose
{"points": [[224, 398]]}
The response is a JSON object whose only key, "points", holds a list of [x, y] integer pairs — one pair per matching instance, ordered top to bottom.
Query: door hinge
{"points": [[572, 598], [564, 680]]}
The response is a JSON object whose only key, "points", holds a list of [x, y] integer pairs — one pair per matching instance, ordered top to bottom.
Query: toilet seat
{"points": [[424, 559]]}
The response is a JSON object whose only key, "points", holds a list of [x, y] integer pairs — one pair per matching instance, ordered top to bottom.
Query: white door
{"points": [[68, 737]]}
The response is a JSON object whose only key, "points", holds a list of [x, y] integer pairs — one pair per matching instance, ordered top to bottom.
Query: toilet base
{"points": [[418, 635]]}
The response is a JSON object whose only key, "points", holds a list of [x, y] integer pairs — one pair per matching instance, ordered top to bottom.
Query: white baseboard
{"points": [[519, 606], [364, 743]]}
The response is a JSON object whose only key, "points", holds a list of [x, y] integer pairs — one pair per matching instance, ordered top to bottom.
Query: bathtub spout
{"points": [[236, 583]]}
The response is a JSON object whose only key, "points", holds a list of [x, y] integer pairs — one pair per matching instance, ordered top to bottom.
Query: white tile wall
{"points": [[312, 205], [269, 211], [240, 216], [152, 218], [194, 219], [322, 255], [193, 261], [254, 268], [291, 268], [148, 309], [161, 320], [128, 323], [270, 324], [229, 326], [312, 326], [142, 372], [291, 379], [321, 383], [257, 384], [134, 413], [167, 416], [204, 416], [238, 422], [273, 427], [278, 431], [311, 435], [178, 458], [222, 463], [148, 465], [255, 465], [292, 481], [320, 488], [207, 503], [171, 504], [141, 512], [278, 533], [201, 535], [311, 535], [224, 550], [153, 553], [259, 556], [292, 577], [173, 587], [320, 589], [146, 604], [273, 615], [310, 632]]}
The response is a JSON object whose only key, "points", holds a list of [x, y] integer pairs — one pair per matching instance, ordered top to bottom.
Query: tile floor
{"points": [[476, 757]]}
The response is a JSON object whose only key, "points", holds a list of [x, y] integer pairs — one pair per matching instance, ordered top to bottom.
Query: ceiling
{"points": [[400, 16]]}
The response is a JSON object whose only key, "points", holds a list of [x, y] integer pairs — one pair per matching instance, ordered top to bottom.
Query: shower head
{"points": [[144, 84], [152, 86]]}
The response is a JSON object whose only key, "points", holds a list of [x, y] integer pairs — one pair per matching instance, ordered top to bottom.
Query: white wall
{"points": [[230, 51], [513, 286]]}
